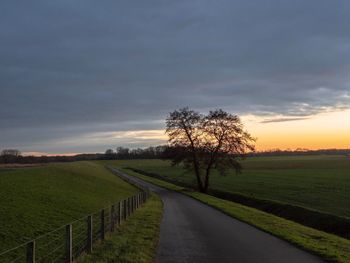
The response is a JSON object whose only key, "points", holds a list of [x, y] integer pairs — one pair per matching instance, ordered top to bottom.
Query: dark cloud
{"points": [[69, 68]]}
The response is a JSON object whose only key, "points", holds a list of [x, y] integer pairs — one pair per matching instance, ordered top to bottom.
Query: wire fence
{"points": [[66, 243]]}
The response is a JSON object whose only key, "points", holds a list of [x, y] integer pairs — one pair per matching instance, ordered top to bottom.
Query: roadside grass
{"points": [[319, 183], [36, 200], [135, 240], [330, 247]]}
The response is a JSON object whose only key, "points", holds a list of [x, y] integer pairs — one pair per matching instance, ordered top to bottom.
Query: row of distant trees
{"points": [[165, 151], [157, 152], [300, 152], [122, 153], [10, 155], [14, 156]]}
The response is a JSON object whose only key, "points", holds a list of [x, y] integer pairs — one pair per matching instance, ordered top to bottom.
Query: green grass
{"points": [[319, 183], [36, 200], [136, 239], [330, 247]]}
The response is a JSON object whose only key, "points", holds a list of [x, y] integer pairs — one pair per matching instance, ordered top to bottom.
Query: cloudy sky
{"points": [[81, 76]]}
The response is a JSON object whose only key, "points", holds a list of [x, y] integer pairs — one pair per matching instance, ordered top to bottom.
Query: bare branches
{"points": [[206, 142]]}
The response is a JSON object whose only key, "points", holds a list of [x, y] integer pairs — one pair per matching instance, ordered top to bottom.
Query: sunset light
{"points": [[325, 130]]}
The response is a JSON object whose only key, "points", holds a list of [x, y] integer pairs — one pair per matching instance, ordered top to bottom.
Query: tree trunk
{"points": [[198, 177], [206, 182]]}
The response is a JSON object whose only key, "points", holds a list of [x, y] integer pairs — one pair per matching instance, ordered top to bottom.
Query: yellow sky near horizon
{"points": [[326, 130], [322, 131]]}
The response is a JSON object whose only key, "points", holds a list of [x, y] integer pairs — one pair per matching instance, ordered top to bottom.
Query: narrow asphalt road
{"points": [[194, 232]]}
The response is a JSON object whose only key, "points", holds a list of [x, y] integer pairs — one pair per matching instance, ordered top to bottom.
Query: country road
{"points": [[194, 232]]}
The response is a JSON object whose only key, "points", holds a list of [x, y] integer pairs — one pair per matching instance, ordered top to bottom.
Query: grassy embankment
{"points": [[36, 200], [135, 241], [330, 247]]}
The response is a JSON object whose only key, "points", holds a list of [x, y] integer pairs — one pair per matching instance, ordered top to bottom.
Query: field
{"points": [[319, 183], [36, 200]]}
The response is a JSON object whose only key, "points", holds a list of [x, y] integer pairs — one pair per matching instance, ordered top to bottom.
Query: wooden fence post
{"points": [[132, 204], [127, 208], [124, 209], [119, 212], [112, 218], [102, 224], [89, 234], [69, 246], [31, 252]]}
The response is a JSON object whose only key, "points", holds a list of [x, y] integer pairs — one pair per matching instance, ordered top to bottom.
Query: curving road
{"points": [[194, 232]]}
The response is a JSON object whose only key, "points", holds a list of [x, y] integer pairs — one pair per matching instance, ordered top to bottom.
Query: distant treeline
{"points": [[158, 152], [164, 152], [278, 152], [122, 153], [14, 156], [20, 159]]}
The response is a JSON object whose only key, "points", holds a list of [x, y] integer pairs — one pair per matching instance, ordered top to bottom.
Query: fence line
{"points": [[66, 243]]}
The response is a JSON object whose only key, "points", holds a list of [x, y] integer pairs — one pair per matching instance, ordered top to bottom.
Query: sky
{"points": [[84, 76]]}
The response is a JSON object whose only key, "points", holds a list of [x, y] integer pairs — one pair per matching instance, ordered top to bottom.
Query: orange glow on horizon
{"points": [[327, 130], [323, 131]]}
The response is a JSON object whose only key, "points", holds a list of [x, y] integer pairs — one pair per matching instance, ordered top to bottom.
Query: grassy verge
{"points": [[319, 183], [37, 200], [329, 223], [136, 239], [330, 247]]}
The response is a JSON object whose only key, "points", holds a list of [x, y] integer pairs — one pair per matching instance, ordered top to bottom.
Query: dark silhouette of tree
{"points": [[203, 142], [11, 152], [123, 153], [109, 154], [10, 155]]}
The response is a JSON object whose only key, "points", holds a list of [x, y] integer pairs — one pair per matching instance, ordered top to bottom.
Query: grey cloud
{"points": [[73, 67], [283, 120]]}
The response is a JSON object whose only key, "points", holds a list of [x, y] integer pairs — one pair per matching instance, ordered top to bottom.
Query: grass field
{"points": [[318, 183], [36, 200]]}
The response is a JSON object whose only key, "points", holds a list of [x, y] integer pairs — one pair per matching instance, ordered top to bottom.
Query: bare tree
{"points": [[203, 142], [10, 152], [109, 152], [122, 152], [10, 155]]}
